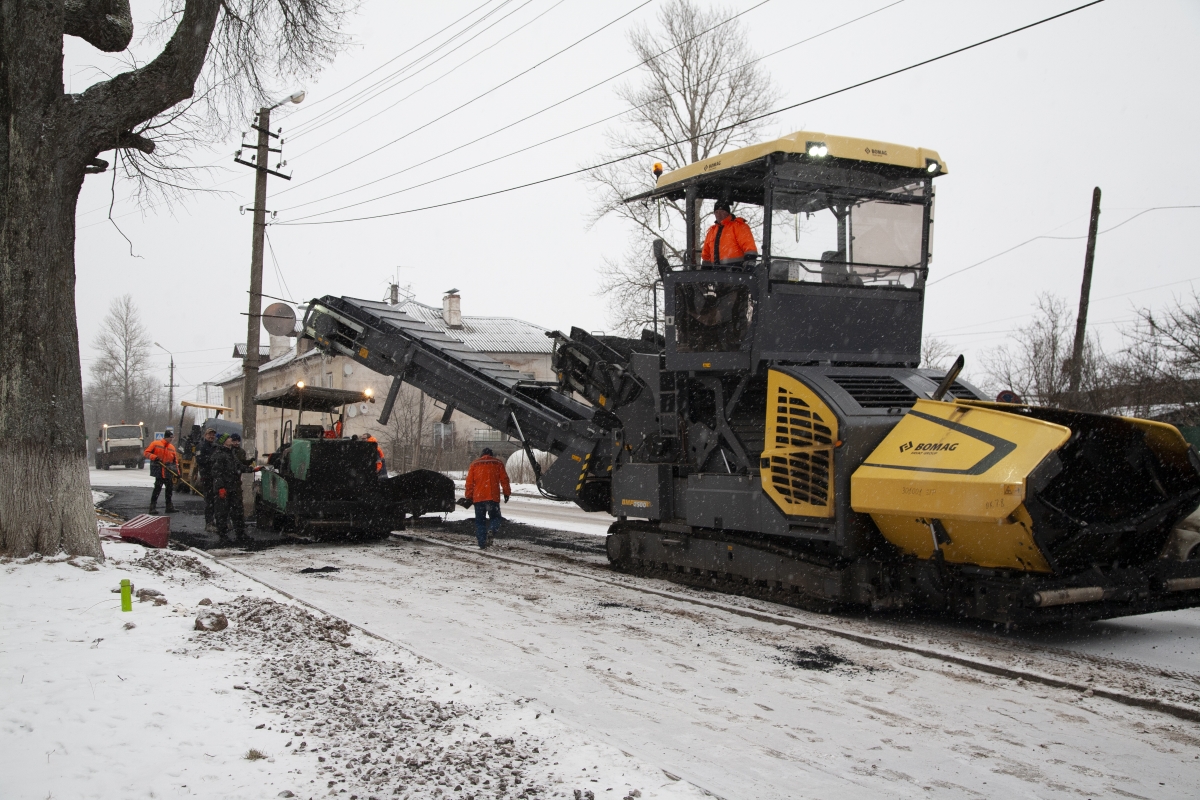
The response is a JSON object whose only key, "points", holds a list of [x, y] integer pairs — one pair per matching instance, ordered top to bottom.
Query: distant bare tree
{"points": [[218, 59], [699, 76], [936, 353], [1036, 364], [1160, 365], [121, 372], [406, 430]]}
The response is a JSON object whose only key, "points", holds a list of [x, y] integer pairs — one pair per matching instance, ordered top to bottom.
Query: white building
{"points": [[521, 345]]}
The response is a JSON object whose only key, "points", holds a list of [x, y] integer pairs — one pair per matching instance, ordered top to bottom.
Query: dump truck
{"points": [[777, 437], [122, 444]]}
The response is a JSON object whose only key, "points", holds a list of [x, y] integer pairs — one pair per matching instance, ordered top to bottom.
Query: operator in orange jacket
{"points": [[729, 242], [381, 462], [164, 464], [486, 479]]}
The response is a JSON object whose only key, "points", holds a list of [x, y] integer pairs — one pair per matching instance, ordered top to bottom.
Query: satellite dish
{"points": [[279, 319], [347, 369], [363, 409], [352, 411]]}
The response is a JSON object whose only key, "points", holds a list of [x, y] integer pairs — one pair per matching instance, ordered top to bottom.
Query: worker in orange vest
{"points": [[729, 242], [381, 462], [164, 465], [486, 479]]}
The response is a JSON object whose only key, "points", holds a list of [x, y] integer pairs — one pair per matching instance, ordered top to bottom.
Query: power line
{"points": [[401, 54], [435, 80], [498, 86], [371, 96], [543, 110], [706, 133], [1043, 236], [278, 272]]}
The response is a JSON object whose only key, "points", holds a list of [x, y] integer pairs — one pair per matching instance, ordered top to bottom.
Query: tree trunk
{"points": [[48, 143], [45, 500]]}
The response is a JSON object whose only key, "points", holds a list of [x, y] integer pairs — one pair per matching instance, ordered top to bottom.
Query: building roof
{"points": [[481, 334], [485, 334], [239, 350], [234, 374]]}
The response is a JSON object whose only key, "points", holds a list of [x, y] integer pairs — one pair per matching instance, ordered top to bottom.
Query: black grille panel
{"points": [[876, 391]]}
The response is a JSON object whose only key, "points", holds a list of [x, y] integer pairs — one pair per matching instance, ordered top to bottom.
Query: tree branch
{"points": [[104, 24], [108, 111]]}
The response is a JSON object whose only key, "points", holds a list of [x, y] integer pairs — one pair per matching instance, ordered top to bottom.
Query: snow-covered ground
{"points": [[119, 476], [100, 703], [745, 708]]}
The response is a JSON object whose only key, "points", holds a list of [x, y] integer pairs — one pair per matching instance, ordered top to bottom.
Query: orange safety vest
{"points": [[729, 241], [378, 449], [162, 451], [485, 479]]}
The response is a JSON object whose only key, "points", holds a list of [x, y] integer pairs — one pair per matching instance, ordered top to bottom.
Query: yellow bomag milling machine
{"points": [[779, 438]]}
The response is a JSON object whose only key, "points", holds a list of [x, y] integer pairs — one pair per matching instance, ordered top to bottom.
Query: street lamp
{"points": [[170, 383]]}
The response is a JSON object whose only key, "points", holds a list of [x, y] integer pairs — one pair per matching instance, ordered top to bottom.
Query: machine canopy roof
{"points": [[855, 164], [312, 398]]}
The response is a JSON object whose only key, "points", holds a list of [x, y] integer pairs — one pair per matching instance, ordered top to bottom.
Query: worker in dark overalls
{"points": [[228, 466]]}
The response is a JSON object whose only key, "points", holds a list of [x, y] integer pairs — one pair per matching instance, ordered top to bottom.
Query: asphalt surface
{"points": [[187, 525], [1170, 640]]}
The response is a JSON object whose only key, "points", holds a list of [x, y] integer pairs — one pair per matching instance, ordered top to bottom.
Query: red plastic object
{"points": [[146, 529]]}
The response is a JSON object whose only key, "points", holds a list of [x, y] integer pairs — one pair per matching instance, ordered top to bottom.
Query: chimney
{"points": [[452, 309], [280, 346]]}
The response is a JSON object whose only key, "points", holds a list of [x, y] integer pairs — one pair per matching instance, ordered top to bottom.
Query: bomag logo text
{"points": [[875, 151], [713, 165], [929, 447]]}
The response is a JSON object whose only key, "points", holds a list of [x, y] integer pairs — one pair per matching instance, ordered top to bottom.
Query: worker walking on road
{"points": [[204, 456], [164, 464], [227, 470], [486, 480]]}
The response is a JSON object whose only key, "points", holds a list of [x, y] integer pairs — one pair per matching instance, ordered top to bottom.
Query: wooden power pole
{"points": [[262, 155], [1084, 295]]}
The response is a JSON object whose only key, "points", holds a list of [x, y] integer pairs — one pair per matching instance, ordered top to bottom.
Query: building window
{"points": [[329, 380], [443, 435], [486, 435]]}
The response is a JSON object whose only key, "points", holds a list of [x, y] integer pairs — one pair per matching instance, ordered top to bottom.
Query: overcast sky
{"points": [[1027, 125]]}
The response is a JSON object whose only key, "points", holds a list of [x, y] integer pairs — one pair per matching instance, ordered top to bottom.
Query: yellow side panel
{"points": [[953, 461], [796, 466], [998, 545]]}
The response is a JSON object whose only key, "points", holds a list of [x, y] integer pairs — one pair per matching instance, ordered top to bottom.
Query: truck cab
{"points": [[122, 444]]}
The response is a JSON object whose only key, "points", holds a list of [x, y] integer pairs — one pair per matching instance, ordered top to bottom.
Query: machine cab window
{"points": [[844, 228]]}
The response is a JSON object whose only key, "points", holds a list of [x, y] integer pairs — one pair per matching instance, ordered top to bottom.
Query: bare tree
{"points": [[231, 50], [700, 90], [936, 353], [1036, 364], [1160, 365], [122, 369], [407, 429]]}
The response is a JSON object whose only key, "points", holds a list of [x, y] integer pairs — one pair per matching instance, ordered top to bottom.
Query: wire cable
{"points": [[399, 70], [369, 97], [477, 97], [791, 107], [543, 110], [1059, 238]]}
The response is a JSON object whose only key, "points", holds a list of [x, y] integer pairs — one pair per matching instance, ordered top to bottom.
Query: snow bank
{"points": [[99, 703]]}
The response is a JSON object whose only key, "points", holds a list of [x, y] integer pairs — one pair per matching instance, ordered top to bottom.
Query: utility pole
{"points": [[263, 152], [1084, 296], [170, 382], [171, 387]]}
